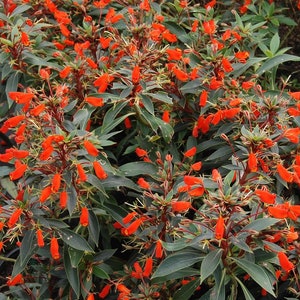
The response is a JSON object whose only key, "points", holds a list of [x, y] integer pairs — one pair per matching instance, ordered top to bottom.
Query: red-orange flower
{"points": [[209, 27], [168, 36], [174, 54], [241, 56], [65, 72], [180, 75], [135, 77], [20, 97], [203, 98], [94, 101], [37, 110], [166, 116], [90, 148], [141, 152], [190, 152], [252, 162], [99, 170], [19, 171], [81, 173], [284, 173], [192, 180], [56, 181], [143, 183], [45, 194], [265, 196], [63, 199], [180, 206], [280, 211], [14, 217], [84, 217], [132, 228], [220, 228], [40, 238], [54, 248], [158, 249], [285, 264], [148, 267], [18, 279], [105, 291]]}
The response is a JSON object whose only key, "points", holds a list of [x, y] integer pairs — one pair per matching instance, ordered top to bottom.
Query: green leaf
{"points": [[20, 9], [178, 31], [275, 42], [275, 61], [240, 68], [162, 96], [82, 117], [223, 152], [137, 168], [117, 181], [7, 184], [117, 212], [260, 224], [93, 227], [74, 240], [176, 245], [27, 247], [104, 255], [75, 256], [176, 262], [210, 263], [97, 271], [187, 272], [72, 273], [257, 273], [186, 291], [218, 292], [247, 294]]}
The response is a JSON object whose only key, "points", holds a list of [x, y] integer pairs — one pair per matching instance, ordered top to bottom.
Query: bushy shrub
{"points": [[150, 151]]}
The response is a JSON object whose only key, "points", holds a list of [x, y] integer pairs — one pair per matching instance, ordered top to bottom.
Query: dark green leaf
{"points": [[178, 31], [137, 168], [117, 181], [260, 224], [93, 227], [74, 240], [28, 246], [104, 255], [75, 256], [176, 262], [210, 263], [97, 271], [72, 273], [257, 273], [186, 291], [247, 294]]}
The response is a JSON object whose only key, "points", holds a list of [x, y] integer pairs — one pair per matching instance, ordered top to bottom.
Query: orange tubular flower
{"points": [[209, 27], [168, 36], [174, 54], [241, 56], [65, 72], [180, 75], [135, 77], [20, 97], [203, 98], [94, 101], [37, 110], [166, 116], [90, 148], [141, 152], [190, 152], [46, 153], [252, 162], [196, 166], [19, 171], [99, 171], [81, 173], [284, 173], [192, 180], [56, 181], [143, 183], [45, 194], [265, 196], [63, 199], [180, 206], [280, 211], [14, 217], [84, 217], [129, 217], [132, 228], [220, 228], [40, 238], [54, 248], [158, 249], [285, 264], [148, 267], [138, 273], [18, 279], [105, 291], [90, 296]]}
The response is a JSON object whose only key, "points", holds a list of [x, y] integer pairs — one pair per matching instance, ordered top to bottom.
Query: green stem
{"points": [[7, 259]]}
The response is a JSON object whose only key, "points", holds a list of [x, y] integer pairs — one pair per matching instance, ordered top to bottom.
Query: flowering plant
{"points": [[150, 151]]}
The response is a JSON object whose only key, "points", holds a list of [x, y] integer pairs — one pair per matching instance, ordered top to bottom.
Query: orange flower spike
{"points": [[209, 27], [168, 36], [174, 54], [65, 72], [180, 75], [135, 77], [20, 97], [203, 98], [94, 101], [37, 110], [166, 116], [14, 121], [90, 148], [141, 152], [190, 152], [46, 153], [252, 162], [196, 166], [19, 171], [99, 171], [81, 173], [284, 173], [192, 180], [56, 182], [143, 183], [45, 194], [265, 196], [63, 199], [180, 206], [279, 211], [14, 217], [84, 217], [129, 217], [132, 228], [220, 228], [292, 235], [40, 238], [54, 248], [158, 249], [284, 262], [148, 267], [138, 273], [18, 279], [123, 289], [105, 291], [90, 296]]}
